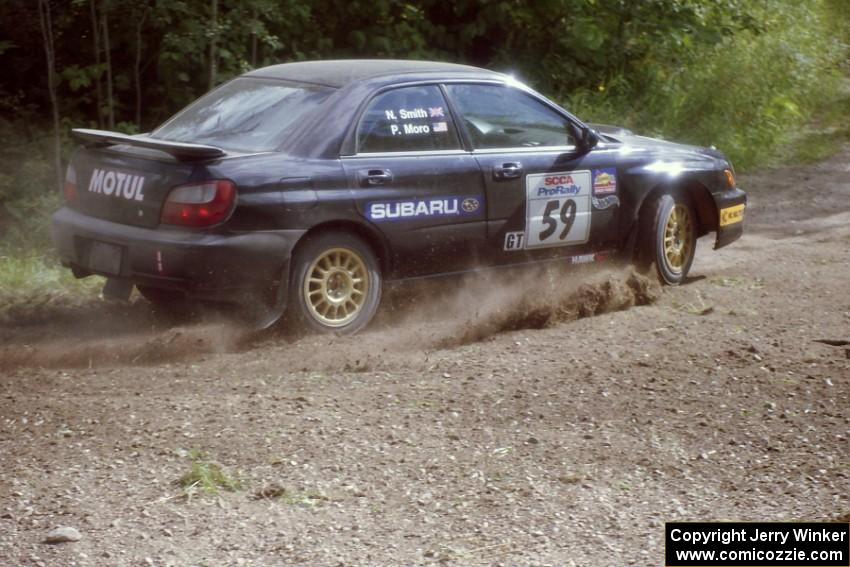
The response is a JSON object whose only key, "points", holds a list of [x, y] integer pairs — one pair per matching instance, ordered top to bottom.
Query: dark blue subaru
{"points": [[305, 187]]}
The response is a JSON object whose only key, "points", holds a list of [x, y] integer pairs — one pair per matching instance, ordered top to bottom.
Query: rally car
{"points": [[306, 187]]}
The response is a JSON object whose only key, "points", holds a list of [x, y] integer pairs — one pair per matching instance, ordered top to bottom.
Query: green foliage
{"points": [[6, 46], [734, 73], [79, 78], [755, 89], [748, 93], [828, 131], [27, 191], [31, 278], [32, 282], [205, 476]]}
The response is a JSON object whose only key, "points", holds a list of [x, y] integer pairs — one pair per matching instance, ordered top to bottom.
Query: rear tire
{"points": [[667, 237], [335, 285]]}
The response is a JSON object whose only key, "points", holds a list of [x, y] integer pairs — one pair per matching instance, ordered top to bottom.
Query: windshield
{"points": [[245, 115]]}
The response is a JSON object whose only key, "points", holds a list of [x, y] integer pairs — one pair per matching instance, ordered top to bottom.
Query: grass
{"points": [[752, 94], [824, 136], [31, 276], [29, 281], [733, 281], [699, 307], [502, 451], [206, 476], [571, 478], [310, 498], [303, 499]]}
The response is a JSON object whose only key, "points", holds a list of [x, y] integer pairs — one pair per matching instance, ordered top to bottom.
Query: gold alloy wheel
{"points": [[678, 238], [336, 286]]}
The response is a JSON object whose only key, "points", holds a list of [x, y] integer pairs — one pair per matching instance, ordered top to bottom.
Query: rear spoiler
{"points": [[181, 150]]}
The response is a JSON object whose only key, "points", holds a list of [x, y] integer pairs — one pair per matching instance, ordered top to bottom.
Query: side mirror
{"points": [[588, 139]]}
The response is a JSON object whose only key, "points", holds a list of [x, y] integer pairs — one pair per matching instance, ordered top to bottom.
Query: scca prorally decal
{"points": [[604, 181], [118, 184], [558, 185], [423, 208]]}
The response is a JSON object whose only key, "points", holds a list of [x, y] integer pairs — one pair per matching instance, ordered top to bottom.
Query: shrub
{"points": [[747, 94]]}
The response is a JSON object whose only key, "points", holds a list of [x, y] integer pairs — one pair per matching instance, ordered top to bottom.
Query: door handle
{"points": [[509, 170], [372, 177]]}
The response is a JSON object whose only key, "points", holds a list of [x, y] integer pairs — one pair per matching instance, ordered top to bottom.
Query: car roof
{"points": [[340, 72]]}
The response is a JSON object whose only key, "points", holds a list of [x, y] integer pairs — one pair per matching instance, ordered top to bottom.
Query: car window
{"points": [[246, 114], [505, 117], [407, 119]]}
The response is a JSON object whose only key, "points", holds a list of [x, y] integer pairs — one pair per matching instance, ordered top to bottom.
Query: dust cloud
{"points": [[415, 319]]}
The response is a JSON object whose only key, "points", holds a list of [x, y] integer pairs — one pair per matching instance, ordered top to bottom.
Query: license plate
{"points": [[104, 257]]}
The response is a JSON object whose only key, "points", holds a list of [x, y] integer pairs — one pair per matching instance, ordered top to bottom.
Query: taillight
{"points": [[730, 178], [69, 191], [199, 204]]}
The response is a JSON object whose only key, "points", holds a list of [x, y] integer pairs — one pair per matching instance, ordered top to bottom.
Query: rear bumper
{"points": [[731, 207], [202, 264]]}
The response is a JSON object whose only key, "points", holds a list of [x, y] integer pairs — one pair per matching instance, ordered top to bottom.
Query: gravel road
{"points": [[530, 419]]}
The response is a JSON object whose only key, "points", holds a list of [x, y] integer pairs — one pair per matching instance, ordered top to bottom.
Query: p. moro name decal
{"points": [[117, 184], [423, 208]]}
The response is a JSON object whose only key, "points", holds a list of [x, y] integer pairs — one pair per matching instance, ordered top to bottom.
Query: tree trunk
{"points": [[46, 21], [214, 27], [254, 40], [137, 69], [97, 81], [110, 102]]}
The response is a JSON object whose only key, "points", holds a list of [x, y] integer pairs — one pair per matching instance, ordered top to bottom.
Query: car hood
{"points": [[656, 145]]}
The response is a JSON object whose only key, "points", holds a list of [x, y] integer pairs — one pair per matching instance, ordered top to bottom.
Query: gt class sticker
{"points": [[604, 181], [424, 208], [557, 209], [514, 241]]}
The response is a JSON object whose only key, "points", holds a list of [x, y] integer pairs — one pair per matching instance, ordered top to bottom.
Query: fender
{"points": [[641, 181]]}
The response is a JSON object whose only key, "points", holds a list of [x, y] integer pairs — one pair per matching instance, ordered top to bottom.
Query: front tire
{"points": [[668, 237], [336, 284]]}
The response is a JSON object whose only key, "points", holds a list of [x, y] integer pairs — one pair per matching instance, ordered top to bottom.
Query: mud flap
{"points": [[728, 234], [628, 253], [117, 289], [265, 310], [264, 316]]}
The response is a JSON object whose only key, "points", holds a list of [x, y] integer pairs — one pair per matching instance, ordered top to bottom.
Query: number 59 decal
{"points": [[557, 209]]}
